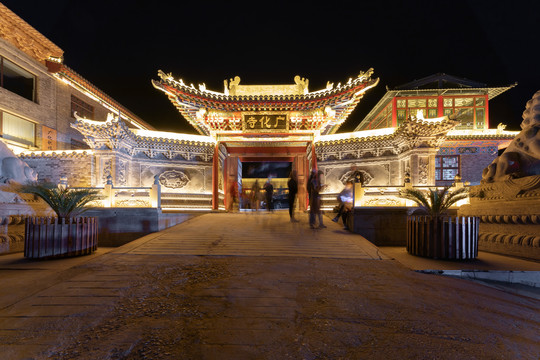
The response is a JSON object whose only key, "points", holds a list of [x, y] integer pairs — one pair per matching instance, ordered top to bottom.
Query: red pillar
{"points": [[440, 106], [394, 112], [215, 179]]}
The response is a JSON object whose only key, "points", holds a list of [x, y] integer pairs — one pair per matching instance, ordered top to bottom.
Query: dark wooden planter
{"points": [[444, 237], [47, 238]]}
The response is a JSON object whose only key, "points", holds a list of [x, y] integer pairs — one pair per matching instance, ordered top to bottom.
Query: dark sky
{"points": [[120, 45]]}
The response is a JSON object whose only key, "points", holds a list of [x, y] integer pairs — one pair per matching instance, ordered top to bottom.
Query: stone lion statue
{"points": [[522, 157], [13, 169]]}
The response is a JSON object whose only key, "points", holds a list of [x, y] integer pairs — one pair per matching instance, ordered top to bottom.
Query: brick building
{"points": [[39, 93], [471, 145]]}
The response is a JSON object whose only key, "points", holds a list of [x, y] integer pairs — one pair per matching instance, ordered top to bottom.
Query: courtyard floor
{"points": [[256, 286]]}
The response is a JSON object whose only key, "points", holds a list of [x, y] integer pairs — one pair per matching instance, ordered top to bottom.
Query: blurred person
{"points": [[293, 190]]}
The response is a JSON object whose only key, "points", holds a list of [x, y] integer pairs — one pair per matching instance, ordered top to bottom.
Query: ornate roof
{"points": [[26, 38], [434, 85], [213, 112], [414, 132], [114, 134]]}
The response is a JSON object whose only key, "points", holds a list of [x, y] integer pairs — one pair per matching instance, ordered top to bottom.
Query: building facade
{"points": [[39, 94], [64, 127], [471, 145]]}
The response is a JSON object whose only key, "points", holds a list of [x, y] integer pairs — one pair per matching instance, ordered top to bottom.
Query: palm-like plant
{"points": [[65, 202], [436, 202]]}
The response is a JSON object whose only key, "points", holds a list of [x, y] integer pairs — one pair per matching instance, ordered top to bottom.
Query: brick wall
{"points": [[53, 105], [472, 166], [79, 169]]}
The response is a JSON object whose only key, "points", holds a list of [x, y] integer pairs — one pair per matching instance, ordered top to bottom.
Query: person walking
{"points": [[269, 188], [314, 188], [293, 190], [345, 198], [255, 201]]}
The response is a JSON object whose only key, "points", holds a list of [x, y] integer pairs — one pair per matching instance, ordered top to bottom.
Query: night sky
{"points": [[120, 45]]}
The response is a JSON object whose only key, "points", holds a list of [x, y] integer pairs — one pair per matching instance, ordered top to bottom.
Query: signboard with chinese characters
{"points": [[265, 121], [48, 137]]}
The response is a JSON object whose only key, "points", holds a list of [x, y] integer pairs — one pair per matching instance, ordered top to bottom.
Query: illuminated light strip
{"points": [[68, 77], [356, 135], [175, 136], [209, 208]]}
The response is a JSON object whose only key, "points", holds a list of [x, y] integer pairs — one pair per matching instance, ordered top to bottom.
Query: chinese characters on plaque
{"points": [[265, 122], [49, 138]]}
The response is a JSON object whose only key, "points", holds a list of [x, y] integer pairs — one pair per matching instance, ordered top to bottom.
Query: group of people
{"points": [[314, 187]]}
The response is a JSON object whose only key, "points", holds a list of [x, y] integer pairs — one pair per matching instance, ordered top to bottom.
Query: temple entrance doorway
{"points": [[245, 166], [255, 175]]}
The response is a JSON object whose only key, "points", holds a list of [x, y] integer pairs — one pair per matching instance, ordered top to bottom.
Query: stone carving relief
{"points": [[522, 157], [107, 170], [423, 171], [353, 174], [173, 179], [122, 180], [383, 202]]}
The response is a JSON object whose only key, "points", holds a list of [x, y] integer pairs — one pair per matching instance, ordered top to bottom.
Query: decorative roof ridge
{"points": [[202, 91], [87, 127], [409, 127], [175, 137], [29, 154]]}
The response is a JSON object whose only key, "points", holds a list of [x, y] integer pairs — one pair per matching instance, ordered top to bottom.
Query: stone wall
{"points": [[78, 167], [509, 214]]}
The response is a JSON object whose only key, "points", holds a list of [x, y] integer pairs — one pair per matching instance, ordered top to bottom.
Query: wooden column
{"points": [[215, 179]]}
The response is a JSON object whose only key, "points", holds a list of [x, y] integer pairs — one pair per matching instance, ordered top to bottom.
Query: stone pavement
{"points": [[253, 286]]}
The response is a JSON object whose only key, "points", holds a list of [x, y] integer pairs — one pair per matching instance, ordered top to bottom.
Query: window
{"points": [[17, 80], [428, 106], [82, 108], [472, 110], [383, 119], [18, 129], [446, 167]]}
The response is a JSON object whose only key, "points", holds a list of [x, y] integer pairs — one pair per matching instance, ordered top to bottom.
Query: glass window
{"points": [[17, 80], [463, 101], [82, 108], [432, 113], [401, 115], [466, 118], [480, 118], [18, 129], [446, 167], [449, 174]]}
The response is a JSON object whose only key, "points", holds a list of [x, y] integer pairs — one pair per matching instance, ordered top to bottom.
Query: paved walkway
{"points": [[253, 286]]}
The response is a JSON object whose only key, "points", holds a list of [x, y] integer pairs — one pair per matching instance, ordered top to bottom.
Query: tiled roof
{"points": [[189, 100]]}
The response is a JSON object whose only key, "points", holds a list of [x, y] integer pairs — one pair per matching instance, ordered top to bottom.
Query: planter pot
{"points": [[444, 237], [49, 238]]}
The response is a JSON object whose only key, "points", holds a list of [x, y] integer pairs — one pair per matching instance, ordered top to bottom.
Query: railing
{"points": [[384, 196], [147, 197], [53, 237], [443, 237]]}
